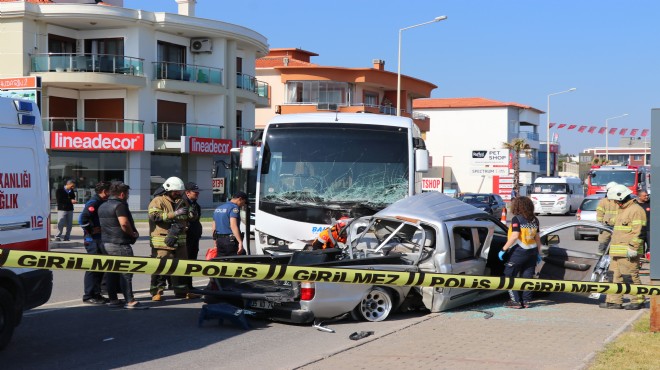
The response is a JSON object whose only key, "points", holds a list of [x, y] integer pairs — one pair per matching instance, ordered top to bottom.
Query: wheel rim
{"points": [[375, 305]]}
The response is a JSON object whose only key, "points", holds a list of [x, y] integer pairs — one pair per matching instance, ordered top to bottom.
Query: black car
{"points": [[488, 202]]}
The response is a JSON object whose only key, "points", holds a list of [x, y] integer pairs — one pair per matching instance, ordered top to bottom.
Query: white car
{"points": [[587, 212]]}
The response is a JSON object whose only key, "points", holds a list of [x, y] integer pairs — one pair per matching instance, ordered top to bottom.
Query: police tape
{"points": [[254, 271]]}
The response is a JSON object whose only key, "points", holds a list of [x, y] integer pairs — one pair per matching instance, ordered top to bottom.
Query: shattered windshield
{"points": [[312, 171]]}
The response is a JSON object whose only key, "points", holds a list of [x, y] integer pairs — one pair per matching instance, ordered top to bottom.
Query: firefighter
{"points": [[605, 213], [168, 223], [329, 237], [625, 246]]}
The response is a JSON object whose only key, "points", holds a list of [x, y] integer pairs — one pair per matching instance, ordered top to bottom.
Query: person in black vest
{"points": [[66, 198], [645, 202], [89, 221], [194, 232], [118, 233]]}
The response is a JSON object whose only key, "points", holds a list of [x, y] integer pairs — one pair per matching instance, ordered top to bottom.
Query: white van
{"points": [[557, 195], [24, 210]]}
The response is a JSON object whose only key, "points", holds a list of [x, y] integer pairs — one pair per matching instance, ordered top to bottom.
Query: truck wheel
{"points": [[375, 305], [7, 317]]}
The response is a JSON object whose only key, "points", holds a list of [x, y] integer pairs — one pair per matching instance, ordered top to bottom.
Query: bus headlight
{"points": [[271, 240]]}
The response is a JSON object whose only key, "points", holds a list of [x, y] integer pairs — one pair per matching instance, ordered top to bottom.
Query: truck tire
{"points": [[375, 305], [7, 317]]}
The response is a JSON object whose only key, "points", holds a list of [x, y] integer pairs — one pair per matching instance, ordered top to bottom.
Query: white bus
{"points": [[316, 168], [557, 195]]}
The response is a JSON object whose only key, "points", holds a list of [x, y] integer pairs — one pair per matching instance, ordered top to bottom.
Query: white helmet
{"points": [[173, 184], [610, 185], [618, 192]]}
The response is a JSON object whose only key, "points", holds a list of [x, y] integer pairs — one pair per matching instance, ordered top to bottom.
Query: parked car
{"points": [[490, 203], [587, 212], [429, 233]]}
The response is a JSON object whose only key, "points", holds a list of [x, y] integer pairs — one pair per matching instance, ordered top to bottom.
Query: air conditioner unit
{"points": [[201, 45]]}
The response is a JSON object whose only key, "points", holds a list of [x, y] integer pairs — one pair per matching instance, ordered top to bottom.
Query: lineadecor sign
{"points": [[109, 141], [202, 145]]}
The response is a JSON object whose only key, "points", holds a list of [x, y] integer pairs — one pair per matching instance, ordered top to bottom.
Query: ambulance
{"points": [[24, 210]]}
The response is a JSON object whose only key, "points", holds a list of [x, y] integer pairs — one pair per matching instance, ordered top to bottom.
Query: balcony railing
{"points": [[106, 63], [187, 72], [250, 83], [374, 108], [126, 126], [174, 130], [527, 135]]}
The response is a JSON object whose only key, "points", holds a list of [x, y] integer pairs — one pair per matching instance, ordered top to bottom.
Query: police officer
{"points": [[606, 210], [89, 221], [168, 223], [225, 228], [194, 232], [626, 246]]}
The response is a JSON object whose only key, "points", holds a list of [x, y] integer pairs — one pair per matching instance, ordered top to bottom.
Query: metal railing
{"points": [[105, 63], [187, 72], [250, 83], [375, 108], [126, 126], [174, 130], [528, 135]]}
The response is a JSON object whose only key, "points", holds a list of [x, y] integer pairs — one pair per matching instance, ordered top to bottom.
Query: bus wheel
{"points": [[570, 211], [7, 317]]}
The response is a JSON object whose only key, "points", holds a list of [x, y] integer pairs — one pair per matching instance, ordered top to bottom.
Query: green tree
{"points": [[517, 146]]}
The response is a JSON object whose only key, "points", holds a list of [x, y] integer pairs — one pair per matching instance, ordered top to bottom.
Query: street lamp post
{"points": [[398, 71], [607, 135], [547, 154], [443, 170]]}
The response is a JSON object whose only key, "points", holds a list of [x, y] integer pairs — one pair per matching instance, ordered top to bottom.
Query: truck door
{"points": [[468, 256]]}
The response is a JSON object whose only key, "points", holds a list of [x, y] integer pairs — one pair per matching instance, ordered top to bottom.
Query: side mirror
{"points": [[248, 157], [421, 160], [552, 239]]}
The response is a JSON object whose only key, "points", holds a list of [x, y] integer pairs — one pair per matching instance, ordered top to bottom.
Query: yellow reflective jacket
{"points": [[606, 210], [161, 219], [627, 227]]}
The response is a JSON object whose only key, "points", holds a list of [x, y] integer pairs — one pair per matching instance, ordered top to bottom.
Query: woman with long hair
{"points": [[523, 248]]}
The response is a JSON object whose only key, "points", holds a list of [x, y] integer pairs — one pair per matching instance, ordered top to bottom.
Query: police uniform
{"points": [[606, 211], [89, 221], [627, 226], [225, 241]]}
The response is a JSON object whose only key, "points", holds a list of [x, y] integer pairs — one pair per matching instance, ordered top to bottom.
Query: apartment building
{"points": [[300, 86], [133, 95], [462, 125]]}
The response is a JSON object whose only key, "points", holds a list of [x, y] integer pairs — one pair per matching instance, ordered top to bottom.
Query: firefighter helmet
{"points": [[173, 184], [618, 193]]}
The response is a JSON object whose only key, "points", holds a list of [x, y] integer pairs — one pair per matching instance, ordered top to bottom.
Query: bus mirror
{"points": [[248, 157], [421, 160]]}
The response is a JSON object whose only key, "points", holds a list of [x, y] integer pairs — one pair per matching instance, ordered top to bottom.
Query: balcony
{"points": [[88, 70], [189, 78], [250, 88], [123, 126], [168, 134], [532, 138]]}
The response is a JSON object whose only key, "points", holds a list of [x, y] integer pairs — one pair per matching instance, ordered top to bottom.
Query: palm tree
{"points": [[517, 145]]}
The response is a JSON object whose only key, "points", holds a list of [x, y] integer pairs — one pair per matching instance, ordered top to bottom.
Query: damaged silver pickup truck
{"points": [[424, 233]]}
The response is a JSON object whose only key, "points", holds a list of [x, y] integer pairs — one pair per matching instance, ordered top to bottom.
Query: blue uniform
{"points": [[226, 243]]}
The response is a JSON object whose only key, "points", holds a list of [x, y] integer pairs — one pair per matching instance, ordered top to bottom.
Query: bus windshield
{"points": [[312, 172], [602, 177], [550, 189]]}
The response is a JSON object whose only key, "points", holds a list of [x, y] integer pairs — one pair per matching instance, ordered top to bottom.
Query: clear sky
{"points": [[508, 50]]}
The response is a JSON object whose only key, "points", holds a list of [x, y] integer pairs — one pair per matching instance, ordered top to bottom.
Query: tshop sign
{"points": [[96, 141], [209, 146], [432, 184]]}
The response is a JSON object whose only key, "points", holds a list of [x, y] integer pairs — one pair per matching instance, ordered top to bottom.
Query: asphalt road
{"points": [[66, 334]]}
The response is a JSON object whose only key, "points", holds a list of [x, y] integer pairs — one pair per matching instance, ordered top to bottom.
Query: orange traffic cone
{"points": [[503, 218]]}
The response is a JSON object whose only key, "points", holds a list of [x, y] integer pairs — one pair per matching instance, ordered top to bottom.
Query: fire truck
{"points": [[636, 178]]}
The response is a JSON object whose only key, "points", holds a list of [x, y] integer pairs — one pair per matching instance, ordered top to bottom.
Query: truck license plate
{"points": [[264, 305]]}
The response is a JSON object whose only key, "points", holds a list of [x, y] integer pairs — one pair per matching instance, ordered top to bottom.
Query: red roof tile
{"points": [[269, 62], [449, 103]]}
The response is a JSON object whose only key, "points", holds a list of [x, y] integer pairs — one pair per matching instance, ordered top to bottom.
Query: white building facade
{"points": [[173, 91], [459, 126]]}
